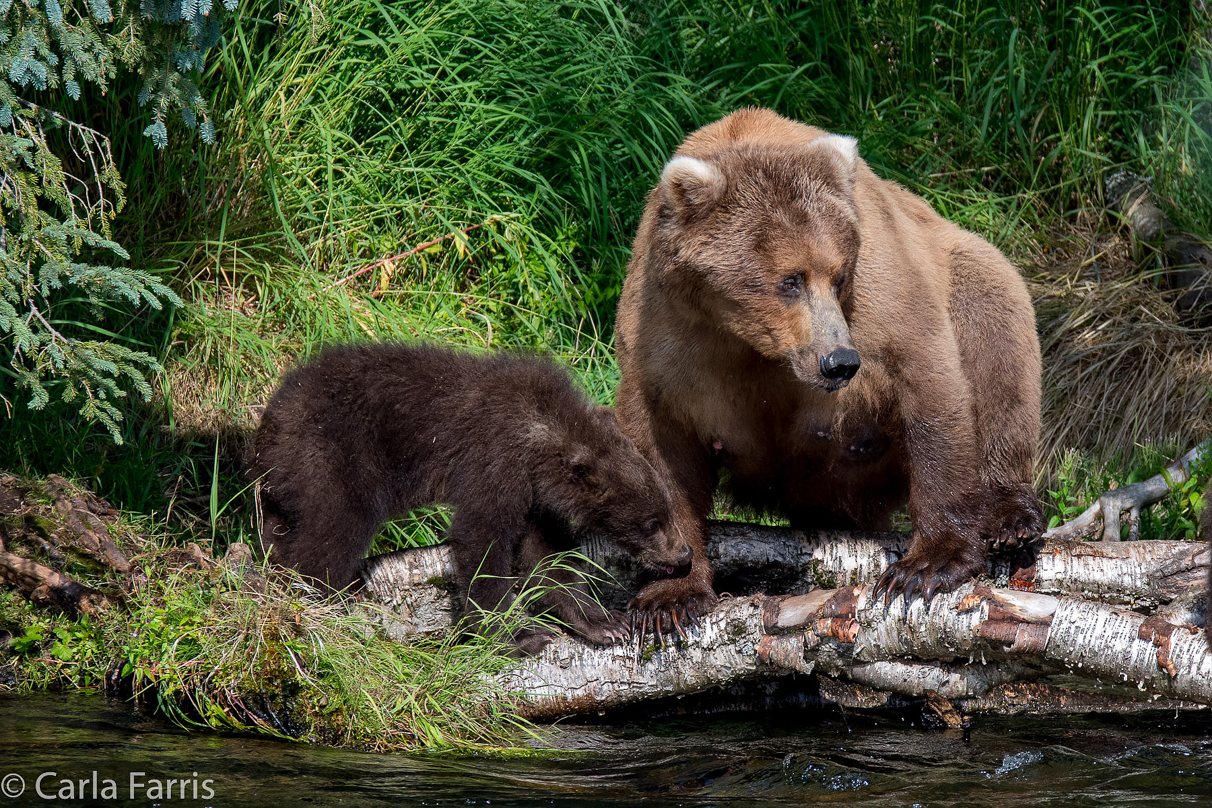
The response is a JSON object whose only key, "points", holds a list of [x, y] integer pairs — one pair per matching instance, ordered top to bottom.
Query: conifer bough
{"points": [[59, 196]]}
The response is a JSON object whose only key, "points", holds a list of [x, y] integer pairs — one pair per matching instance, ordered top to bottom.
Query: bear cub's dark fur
{"points": [[526, 460]]}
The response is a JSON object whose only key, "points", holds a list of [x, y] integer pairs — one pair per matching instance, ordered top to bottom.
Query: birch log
{"points": [[748, 559], [984, 637], [967, 645]]}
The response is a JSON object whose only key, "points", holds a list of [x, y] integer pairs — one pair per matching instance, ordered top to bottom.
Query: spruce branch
{"points": [[58, 202]]}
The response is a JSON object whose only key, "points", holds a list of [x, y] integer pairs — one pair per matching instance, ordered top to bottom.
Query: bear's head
{"points": [[764, 239], [593, 478]]}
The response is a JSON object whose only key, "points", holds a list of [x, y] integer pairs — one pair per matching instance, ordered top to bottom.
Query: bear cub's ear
{"points": [[689, 184]]}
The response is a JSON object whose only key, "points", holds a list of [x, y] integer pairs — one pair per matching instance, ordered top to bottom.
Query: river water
{"points": [[789, 758]]}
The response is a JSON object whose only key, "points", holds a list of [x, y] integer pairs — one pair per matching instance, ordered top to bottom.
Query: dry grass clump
{"points": [[1121, 369]]}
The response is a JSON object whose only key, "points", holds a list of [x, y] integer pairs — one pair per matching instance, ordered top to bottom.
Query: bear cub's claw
{"points": [[669, 607], [611, 630], [530, 641]]}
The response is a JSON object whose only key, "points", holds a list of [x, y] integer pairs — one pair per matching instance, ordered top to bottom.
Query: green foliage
{"points": [[1002, 112], [358, 130], [1182, 140], [61, 188], [51, 220], [1081, 480], [198, 646]]}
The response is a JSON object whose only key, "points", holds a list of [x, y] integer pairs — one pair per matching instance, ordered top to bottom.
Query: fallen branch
{"points": [[406, 253], [1185, 259], [1131, 498], [46, 587]]}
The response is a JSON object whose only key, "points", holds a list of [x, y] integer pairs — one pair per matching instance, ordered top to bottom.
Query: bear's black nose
{"points": [[841, 365]]}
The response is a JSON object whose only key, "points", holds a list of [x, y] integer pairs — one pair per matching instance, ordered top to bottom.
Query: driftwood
{"points": [[1184, 260], [1109, 508], [46, 587], [1055, 614]]}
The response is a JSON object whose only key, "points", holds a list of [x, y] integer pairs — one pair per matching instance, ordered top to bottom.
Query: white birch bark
{"points": [[778, 560], [983, 637], [964, 645], [573, 677]]}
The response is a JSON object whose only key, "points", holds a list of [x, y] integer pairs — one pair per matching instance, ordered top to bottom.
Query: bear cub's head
{"points": [[767, 234], [593, 477]]}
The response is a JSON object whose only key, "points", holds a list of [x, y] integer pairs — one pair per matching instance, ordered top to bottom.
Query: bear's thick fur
{"points": [[768, 255], [527, 461]]}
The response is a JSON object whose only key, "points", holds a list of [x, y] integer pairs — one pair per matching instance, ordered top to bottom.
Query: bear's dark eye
{"points": [[840, 282], [791, 286], [652, 527]]}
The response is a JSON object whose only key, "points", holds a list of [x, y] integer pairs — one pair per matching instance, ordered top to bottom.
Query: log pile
{"points": [[1118, 619]]}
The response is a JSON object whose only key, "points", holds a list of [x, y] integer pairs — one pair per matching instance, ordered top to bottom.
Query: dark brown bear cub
{"points": [[527, 462]]}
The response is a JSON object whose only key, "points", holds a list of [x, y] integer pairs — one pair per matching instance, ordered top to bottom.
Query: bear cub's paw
{"points": [[1014, 518], [927, 573], [670, 605], [611, 630], [530, 641]]}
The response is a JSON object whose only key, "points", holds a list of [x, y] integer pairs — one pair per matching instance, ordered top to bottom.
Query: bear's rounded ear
{"points": [[840, 153], [689, 184]]}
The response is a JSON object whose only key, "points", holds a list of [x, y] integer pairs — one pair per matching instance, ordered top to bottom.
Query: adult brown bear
{"points": [[832, 344]]}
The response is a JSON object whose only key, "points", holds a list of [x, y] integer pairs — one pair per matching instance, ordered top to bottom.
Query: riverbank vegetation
{"points": [[471, 172], [233, 645]]}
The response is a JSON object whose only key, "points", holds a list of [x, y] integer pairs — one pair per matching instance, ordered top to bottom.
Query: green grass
{"points": [[354, 130], [253, 650]]}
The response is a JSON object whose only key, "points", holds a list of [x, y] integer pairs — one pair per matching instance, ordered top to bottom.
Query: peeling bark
{"points": [[985, 638], [968, 645], [571, 677]]}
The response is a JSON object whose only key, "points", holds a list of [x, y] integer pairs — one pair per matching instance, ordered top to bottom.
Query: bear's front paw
{"points": [[1014, 518], [927, 574], [670, 605], [610, 630], [530, 641]]}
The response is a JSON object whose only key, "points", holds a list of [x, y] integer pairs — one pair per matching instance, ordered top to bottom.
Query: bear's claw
{"points": [[1014, 518], [924, 573], [666, 606]]}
